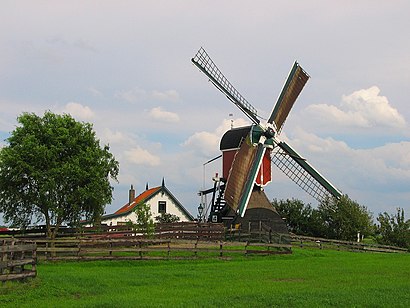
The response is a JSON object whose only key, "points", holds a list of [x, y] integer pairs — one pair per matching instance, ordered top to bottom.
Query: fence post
{"points": [[220, 248], [79, 249], [46, 251], [22, 256], [3, 257], [11, 257], [34, 257]]}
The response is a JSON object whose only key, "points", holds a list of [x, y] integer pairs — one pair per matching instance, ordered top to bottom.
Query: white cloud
{"points": [[65, 44], [84, 45], [95, 92], [137, 94], [133, 95], [170, 95], [375, 108], [361, 109], [79, 111], [160, 114], [116, 137], [203, 142], [207, 143], [315, 144], [140, 156], [395, 156], [385, 169]]}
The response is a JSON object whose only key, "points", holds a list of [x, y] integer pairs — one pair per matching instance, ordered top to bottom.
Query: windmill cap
{"points": [[232, 138]]}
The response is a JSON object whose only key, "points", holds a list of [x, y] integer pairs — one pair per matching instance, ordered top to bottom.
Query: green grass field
{"points": [[309, 278]]}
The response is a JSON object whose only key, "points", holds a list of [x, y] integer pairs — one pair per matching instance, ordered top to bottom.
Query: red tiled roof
{"points": [[140, 198]]}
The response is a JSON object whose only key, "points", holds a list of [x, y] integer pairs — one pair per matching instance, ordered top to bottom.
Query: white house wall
{"points": [[171, 208]]}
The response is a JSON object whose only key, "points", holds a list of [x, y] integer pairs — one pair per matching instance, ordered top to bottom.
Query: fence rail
{"points": [[178, 230], [322, 243], [134, 248], [15, 257]]}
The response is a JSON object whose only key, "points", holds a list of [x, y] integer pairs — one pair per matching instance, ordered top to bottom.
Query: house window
{"points": [[162, 207]]}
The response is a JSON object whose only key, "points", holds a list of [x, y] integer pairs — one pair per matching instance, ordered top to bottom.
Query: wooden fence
{"points": [[178, 230], [190, 231], [194, 231], [262, 233], [322, 243], [134, 248], [15, 257]]}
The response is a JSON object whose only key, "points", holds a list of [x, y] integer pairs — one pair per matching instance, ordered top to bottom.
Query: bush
{"points": [[167, 218]]}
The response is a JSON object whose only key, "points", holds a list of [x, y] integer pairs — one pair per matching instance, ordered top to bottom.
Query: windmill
{"points": [[256, 146]]}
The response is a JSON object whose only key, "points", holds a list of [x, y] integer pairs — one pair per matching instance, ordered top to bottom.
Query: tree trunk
{"points": [[52, 234]]}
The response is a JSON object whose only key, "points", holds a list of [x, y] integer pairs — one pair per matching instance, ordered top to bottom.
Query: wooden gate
{"points": [[17, 259]]}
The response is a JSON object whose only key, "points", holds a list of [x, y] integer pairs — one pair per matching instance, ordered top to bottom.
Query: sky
{"points": [[125, 67]]}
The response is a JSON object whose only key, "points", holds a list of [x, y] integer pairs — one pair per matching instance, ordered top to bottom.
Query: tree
{"points": [[54, 171], [296, 215], [167, 218], [300, 218], [334, 218], [343, 218], [144, 223], [394, 229]]}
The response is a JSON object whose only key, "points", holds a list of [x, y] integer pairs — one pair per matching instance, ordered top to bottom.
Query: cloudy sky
{"points": [[125, 67]]}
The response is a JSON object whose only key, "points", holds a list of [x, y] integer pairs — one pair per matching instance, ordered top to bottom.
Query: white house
{"points": [[160, 200]]}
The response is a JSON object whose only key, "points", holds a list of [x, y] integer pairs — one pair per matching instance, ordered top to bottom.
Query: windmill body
{"points": [[230, 144], [248, 152]]}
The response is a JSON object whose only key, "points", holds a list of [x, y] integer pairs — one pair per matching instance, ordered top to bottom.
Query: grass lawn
{"points": [[308, 278]]}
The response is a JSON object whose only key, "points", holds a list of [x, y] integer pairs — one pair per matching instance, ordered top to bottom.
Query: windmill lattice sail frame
{"points": [[209, 68], [293, 170]]}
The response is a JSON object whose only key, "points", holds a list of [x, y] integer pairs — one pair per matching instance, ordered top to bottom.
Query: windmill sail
{"points": [[208, 67], [293, 86], [238, 173], [302, 173], [242, 175]]}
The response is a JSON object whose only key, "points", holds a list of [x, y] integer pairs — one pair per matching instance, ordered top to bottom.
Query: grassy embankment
{"points": [[307, 278]]}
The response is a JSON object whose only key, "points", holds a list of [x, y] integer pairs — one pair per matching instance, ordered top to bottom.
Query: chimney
{"points": [[131, 195]]}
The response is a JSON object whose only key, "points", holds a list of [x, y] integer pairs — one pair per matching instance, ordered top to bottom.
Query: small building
{"points": [[160, 200]]}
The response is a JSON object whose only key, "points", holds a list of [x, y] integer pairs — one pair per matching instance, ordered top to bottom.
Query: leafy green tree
{"points": [[54, 171], [296, 214], [167, 218], [334, 218], [343, 218], [144, 223], [394, 229]]}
